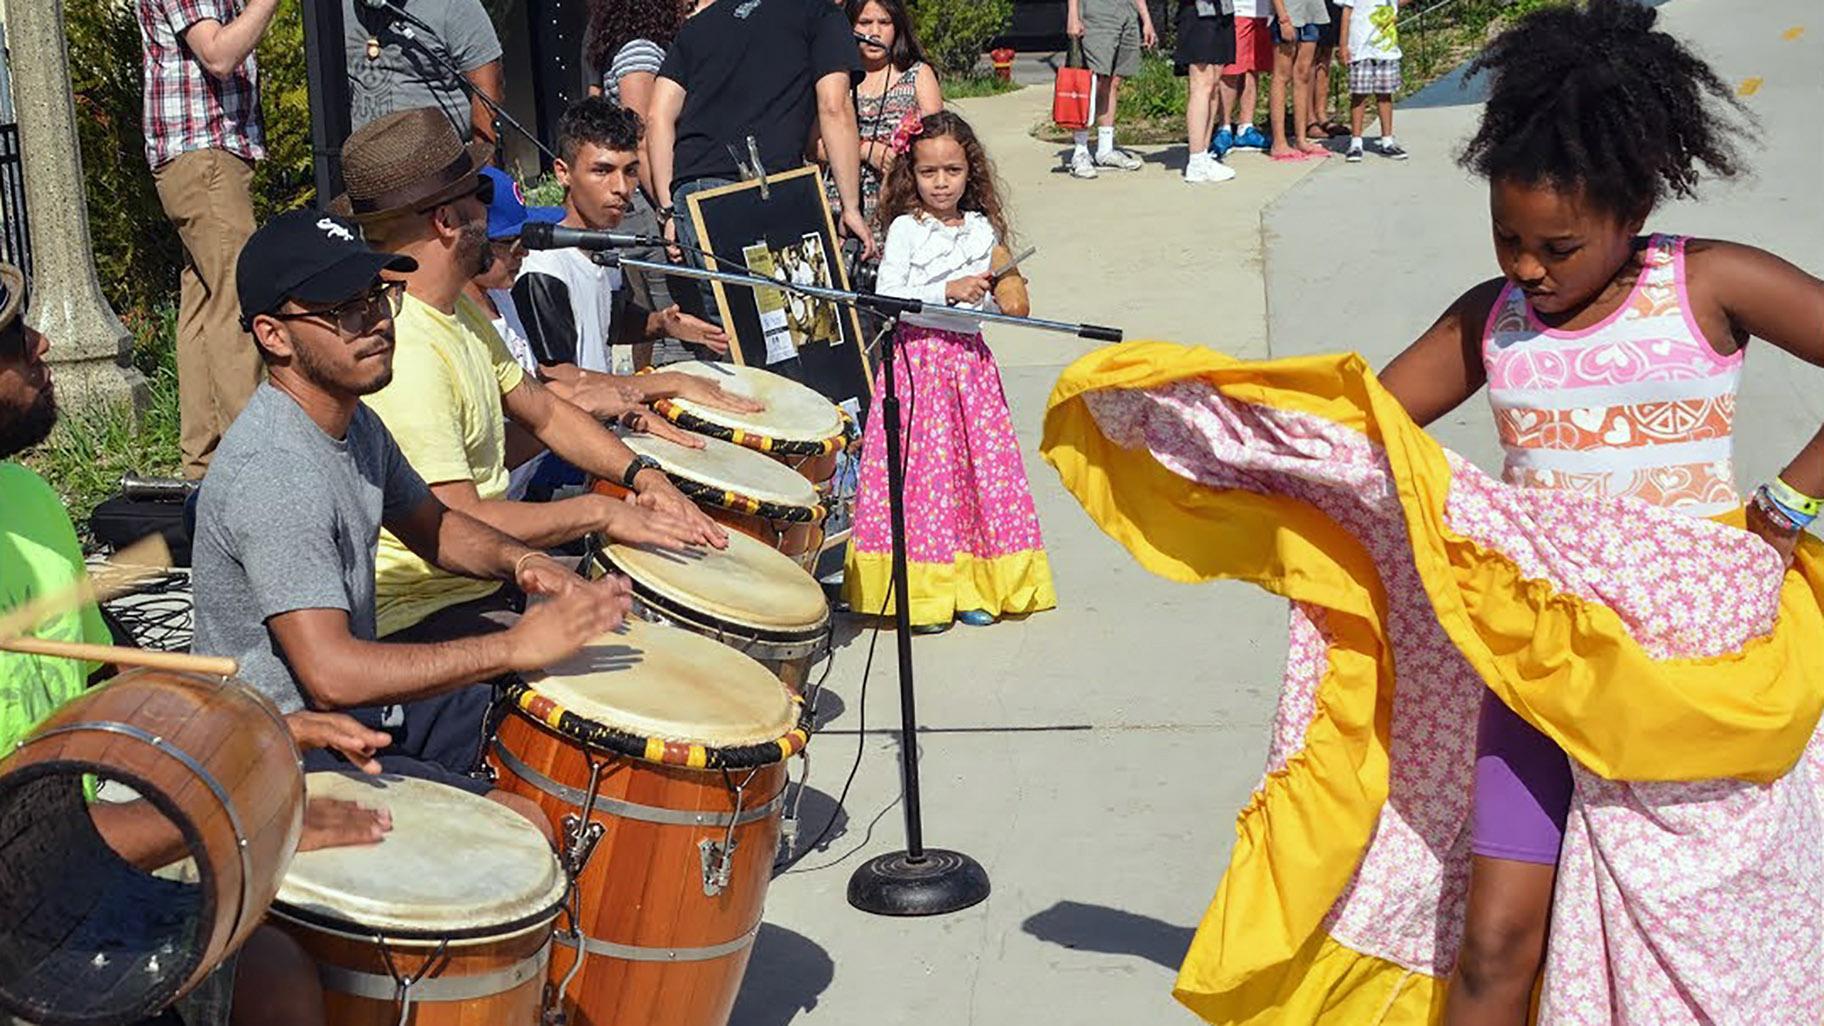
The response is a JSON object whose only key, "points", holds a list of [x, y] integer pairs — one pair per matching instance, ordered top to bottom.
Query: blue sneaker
{"points": [[1251, 138], [1222, 143], [976, 617]]}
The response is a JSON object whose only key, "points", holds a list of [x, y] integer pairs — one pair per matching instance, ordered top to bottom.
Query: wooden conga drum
{"points": [[799, 428], [742, 490], [747, 596], [662, 754], [446, 922], [90, 938]]}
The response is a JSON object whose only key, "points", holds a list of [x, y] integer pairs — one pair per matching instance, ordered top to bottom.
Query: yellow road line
{"points": [[1793, 33], [1749, 86]]}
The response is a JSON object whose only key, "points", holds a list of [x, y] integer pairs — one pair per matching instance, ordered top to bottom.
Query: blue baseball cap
{"points": [[509, 213]]}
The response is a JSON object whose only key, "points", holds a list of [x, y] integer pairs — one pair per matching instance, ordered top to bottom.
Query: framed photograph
{"points": [[789, 235]]}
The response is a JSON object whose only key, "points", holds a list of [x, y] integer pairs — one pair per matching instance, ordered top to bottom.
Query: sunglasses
{"points": [[381, 303]]}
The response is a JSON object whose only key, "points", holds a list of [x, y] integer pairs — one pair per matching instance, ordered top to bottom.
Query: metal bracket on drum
{"points": [[581, 831], [719, 859]]}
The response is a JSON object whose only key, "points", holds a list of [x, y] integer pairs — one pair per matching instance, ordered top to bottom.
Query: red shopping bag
{"points": [[1073, 99]]}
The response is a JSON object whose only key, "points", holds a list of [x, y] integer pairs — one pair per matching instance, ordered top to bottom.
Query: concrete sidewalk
{"points": [[1093, 757]]}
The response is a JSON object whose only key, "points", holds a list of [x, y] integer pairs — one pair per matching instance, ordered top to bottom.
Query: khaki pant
{"points": [[207, 194]]}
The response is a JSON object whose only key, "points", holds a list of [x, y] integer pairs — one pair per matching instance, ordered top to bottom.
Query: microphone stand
{"points": [[468, 87], [918, 881]]}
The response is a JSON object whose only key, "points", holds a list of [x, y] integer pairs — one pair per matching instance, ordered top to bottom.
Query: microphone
{"points": [[859, 38], [553, 236]]}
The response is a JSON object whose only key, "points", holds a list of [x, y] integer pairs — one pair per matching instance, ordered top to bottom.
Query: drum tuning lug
{"points": [[788, 839], [579, 842], [718, 865]]}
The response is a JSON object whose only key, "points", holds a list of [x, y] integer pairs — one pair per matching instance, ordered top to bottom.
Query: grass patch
{"points": [[1435, 37], [976, 84], [90, 448]]}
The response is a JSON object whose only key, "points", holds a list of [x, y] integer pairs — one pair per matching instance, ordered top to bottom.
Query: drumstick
{"points": [[1012, 262], [131, 565], [181, 662]]}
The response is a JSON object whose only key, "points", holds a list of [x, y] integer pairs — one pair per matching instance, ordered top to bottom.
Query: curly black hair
{"points": [[615, 23], [1590, 98], [595, 119]]}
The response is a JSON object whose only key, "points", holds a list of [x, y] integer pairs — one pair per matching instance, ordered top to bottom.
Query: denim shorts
{"points": [[1300, 33]]}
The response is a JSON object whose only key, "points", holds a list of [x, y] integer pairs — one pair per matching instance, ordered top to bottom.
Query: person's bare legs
{"points": [[1284, 59], [1320, 89], [1228, 90], [1301, 93], [1108, 97], [1250, 98], [1385, 102], [1200, 107], [1358, 113], [1510, 908], [276, 983]]}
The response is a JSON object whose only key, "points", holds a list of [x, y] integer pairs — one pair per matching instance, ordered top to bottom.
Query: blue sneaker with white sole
{"points": [[1252, 138], [1223, 142], [976, 617]]}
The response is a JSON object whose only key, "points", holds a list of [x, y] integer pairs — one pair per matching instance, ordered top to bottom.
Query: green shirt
{"points": [[39, 555]]}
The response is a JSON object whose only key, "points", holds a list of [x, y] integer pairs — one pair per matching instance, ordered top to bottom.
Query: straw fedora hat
{"points": [[407, 162]]}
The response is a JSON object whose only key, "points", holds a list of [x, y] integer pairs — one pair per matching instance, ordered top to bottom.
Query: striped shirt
{"points": [[634, 55], [186, 108], [1640, 405]]}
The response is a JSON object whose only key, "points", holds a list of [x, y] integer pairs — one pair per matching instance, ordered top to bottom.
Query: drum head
{"points": [[794, 413], [729, 467], [748, 584], [667, 683], [454, 865]]}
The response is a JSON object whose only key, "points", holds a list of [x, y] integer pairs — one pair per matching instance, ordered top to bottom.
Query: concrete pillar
{"points": [[90, 349]]}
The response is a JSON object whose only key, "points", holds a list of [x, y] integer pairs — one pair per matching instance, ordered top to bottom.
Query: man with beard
{"points": [[419, 192], [302, 484], [275, 983]]}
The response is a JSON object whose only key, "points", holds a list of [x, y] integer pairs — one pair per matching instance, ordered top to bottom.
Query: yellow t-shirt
{"points": [[443, 407]]}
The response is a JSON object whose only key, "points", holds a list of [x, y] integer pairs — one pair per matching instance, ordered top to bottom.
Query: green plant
{"points": [[956, 32], [964, 87], [1156, 93], [91, 447]]}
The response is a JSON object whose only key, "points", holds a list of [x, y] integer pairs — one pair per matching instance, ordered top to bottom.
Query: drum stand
{"points": [[918, 881]]}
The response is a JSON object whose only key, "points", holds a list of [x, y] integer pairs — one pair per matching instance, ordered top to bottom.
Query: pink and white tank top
{"points": [[1639, 405]]}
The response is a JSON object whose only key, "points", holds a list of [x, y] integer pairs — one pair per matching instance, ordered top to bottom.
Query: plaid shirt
{"points": [[186, 107]]}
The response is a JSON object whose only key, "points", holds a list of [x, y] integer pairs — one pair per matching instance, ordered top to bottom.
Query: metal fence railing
{"points": [[15, 232]]}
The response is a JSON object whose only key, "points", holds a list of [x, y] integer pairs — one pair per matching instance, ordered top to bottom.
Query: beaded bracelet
{"points": [[1791, 498], [1791, 521]]}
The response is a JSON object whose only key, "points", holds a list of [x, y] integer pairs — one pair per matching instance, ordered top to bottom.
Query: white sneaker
{"points": [[1120, 160], [1082, 166], [1196, 169], [1216, 171]]}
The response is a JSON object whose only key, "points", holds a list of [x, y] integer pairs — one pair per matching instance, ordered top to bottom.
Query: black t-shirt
{"points": [[750, 67]]}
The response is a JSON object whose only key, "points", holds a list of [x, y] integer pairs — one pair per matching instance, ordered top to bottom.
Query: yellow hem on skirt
{"points": [[1010, 585]]}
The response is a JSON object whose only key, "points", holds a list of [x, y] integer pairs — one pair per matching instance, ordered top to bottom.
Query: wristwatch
{"points": [[665, 213], [633, 469]]}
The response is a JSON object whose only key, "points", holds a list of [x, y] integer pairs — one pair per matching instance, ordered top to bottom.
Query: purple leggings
{"points": [[1523, 788]]}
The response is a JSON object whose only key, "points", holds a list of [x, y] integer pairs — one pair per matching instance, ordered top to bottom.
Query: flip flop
{"points": [[1295, 157]]}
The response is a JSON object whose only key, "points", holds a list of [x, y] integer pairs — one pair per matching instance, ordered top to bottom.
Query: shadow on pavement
{"points": [[815, 812], [1111, 931], [785, 976]]}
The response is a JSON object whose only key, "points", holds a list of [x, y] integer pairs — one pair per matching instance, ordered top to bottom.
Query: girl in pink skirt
{"points": [[972, 535]]}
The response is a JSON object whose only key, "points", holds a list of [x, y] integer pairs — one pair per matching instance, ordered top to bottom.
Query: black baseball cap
{"points": [[310, 256]]}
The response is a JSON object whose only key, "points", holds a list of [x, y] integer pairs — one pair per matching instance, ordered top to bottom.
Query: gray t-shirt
{"points": [[389, 72], [287, 519]]}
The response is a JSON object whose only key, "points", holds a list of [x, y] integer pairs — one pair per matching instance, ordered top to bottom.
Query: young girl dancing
{"points": [[1612, 359], [972, 533]]}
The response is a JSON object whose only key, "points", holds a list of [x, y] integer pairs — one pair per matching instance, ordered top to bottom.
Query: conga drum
{"points": [[799, 428], [742, 490], [747, 596], [663, 755], [445, 922], [90, 938]]}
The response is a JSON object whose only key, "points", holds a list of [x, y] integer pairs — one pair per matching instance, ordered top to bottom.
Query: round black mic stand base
{"points": [[935, 884]]}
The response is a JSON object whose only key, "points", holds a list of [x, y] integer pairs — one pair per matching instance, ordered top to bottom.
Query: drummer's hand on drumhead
{"points": [[675, 323], [708, 393], [644, 420], [660, 496], [632, 524], [541, 575], [558, 627], [341, 733], [333, 823]]}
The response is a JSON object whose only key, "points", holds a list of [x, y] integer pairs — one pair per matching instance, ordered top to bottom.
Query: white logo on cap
{"points": [[335, 231]]}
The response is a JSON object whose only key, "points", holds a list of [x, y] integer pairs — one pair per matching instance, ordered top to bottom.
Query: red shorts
{"points": [[1253, 47]]}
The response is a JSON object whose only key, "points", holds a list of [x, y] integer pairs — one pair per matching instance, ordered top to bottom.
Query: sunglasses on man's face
{"points": [[352, 318]]}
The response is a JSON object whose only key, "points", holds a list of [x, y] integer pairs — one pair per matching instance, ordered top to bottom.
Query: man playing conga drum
{"points": [[419, 192], [286, 529]]}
